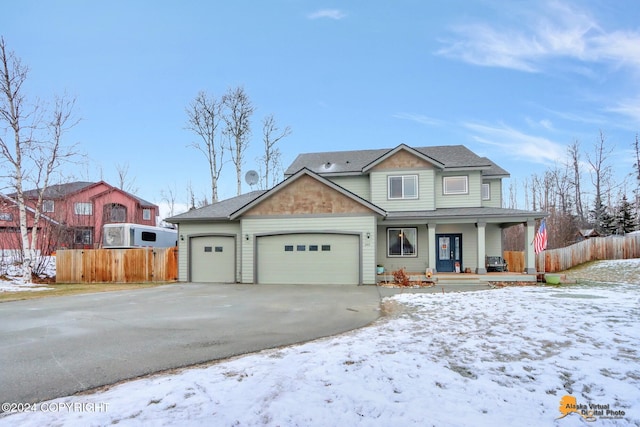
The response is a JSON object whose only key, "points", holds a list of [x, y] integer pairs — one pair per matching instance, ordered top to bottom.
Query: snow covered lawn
{"points": [[12, 275], [498, 357], [503, 357]]}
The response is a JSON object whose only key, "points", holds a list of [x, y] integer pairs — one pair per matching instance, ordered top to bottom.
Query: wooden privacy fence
{"points": [[595, 248], [515, 260], [117, 265]]}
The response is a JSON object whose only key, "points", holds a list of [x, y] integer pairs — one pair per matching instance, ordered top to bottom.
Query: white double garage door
{"points": [[318, 258]]}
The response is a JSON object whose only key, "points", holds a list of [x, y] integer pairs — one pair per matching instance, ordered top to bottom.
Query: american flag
{"points": [[540, 241]]}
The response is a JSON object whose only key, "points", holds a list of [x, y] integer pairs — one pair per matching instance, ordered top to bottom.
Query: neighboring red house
{"points": [[77, 211], [10, 238]]}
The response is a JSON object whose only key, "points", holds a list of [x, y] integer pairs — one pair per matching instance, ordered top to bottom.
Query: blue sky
{"points": [[516, 81]]}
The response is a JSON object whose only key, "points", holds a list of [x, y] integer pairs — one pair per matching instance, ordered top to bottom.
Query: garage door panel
{"points": [[213, 259], [309, 259]]}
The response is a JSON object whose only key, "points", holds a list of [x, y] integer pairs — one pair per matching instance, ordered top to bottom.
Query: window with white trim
{"points": [[455, 185], [403, 187], [486, 192], [47, 206], [83, 208], [146, 214], [402, 242]]}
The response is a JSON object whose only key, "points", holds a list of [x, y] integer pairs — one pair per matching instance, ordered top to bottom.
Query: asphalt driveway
{"points": [[55, 347]]}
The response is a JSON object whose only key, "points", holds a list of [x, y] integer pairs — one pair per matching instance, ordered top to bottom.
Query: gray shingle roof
{"points": [[348, 162], [494, 170], [60, 191], [219, 210]]}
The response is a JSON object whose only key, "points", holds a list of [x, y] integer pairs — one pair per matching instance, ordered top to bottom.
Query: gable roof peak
{"points": [[354, 162], [293, 178]]}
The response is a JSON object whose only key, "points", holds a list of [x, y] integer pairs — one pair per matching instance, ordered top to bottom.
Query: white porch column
{"points": [[431, 234], [529, 254], [481, 268]]}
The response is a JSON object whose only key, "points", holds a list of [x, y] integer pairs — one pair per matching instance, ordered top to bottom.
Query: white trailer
{"points": [[126, 235]]}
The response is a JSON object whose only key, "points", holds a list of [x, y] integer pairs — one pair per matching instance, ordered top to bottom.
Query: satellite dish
{"points": [[251, 177]]}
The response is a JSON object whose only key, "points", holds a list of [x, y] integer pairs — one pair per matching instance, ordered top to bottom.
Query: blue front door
{"points": [[449, 250]]}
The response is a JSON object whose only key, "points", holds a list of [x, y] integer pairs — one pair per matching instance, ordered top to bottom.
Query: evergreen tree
{"points": [[625, 218], [603, 221]]}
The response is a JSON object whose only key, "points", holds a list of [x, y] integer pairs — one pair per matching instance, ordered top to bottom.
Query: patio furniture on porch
{"points": [[496, 263]]}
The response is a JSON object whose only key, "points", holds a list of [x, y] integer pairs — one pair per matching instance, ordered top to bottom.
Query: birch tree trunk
{"points": [[238, 111], [35, 152]]}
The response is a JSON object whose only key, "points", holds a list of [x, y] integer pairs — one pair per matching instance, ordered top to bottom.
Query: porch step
{"points": [[462, 278]]}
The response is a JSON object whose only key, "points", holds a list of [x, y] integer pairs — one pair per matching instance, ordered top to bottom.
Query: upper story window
{"points": [[455, 185], [403, 187], [486, 192], [48, 206], [82, 208], [115, 212], [146, 214], [6, 216]]}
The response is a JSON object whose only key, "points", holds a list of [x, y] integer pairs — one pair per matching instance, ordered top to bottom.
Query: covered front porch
{"points": [[452, 242]]}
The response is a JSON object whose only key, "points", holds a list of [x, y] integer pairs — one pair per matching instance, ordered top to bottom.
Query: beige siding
{"points": [[358, 185], [496, 194], [425, 200], [470, 200], [310, 224], [187, 229]]}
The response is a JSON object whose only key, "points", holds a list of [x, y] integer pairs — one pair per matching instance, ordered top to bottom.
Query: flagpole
{"points": [[540, 244]]}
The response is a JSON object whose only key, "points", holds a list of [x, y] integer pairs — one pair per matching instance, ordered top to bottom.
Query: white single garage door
{"points": [[213, 259], [309, 259]]}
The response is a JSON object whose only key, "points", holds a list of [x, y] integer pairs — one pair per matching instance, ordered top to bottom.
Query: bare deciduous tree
{"points": [[238, 110], [204, 115], [35, 151], [270, 160], [636, 172], [600, 174], [576, 180], [124, 182], [169, 196], [191, 196]]}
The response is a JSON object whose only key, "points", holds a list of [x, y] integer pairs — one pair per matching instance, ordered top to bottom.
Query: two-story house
{"points": [[74, 214], [338, 215]]}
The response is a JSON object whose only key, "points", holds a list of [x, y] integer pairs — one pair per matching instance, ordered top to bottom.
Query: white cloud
{"points": [[336, 14], [556, 31], [629, 108], [419, 118], [544, 123], [517, 144]]}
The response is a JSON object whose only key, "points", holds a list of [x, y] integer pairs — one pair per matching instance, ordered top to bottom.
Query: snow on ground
{"points": [[12, 275], [488, 358]]}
